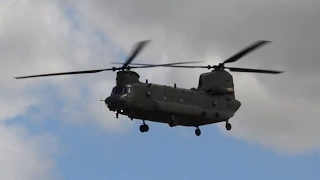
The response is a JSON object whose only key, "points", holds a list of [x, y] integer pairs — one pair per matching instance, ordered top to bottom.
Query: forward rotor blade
{"points": [[137, 49], [245, 51], [168, 64], [178, 66], [254, 70], [89, 71], [65, 73]]}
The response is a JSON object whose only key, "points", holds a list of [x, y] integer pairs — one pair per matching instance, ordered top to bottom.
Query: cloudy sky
{"points": [[57, 128]]}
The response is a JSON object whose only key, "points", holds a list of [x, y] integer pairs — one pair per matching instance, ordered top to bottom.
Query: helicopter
{"points": [[213, 101]]}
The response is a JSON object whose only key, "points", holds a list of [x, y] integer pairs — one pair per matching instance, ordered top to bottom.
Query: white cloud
{"points": [[37, 37], [277, 111], [277, 122], [26, 156]]}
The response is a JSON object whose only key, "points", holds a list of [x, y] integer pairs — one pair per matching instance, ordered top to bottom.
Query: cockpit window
{"points": [[119, 90]]}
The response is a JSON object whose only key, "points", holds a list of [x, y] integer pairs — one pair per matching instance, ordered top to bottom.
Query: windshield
{"points": [[120, 90]]}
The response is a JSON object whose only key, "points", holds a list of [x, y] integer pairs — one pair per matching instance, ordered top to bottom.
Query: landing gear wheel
{"points": [[171, 124], [228, 126], [141, 128], [144, 128], [198, 132]]}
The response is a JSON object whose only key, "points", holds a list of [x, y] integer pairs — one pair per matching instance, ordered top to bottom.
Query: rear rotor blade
{"points": [[137, 49], [245, 51], [167, 64], [152, 65], [230, 68], [254, 70]]}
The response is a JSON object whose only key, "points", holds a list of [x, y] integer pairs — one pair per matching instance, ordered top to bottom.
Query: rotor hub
{"points": [[220, 66]]}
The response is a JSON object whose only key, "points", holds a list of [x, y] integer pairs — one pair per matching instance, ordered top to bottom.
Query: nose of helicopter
{"points": [[116, 102]]}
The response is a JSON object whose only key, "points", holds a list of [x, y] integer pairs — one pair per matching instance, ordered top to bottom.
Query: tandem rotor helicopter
{"points": [[213, 101]]}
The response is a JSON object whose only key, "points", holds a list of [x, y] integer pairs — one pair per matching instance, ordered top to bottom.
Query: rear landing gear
{"points": [[228, 126], [144, 128], [198, 131]]}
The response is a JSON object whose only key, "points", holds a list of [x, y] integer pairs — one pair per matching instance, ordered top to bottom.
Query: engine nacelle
{"points": [[127, 77], [217, 82]]}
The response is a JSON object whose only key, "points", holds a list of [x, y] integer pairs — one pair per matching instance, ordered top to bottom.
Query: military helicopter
{"points": [[213, 101]]}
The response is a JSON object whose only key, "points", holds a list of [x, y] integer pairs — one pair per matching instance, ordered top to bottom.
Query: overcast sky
{"points": [[57, 128]]}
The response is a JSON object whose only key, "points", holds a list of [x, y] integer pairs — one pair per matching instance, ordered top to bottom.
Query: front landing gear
{"points": [[173, 122], [228, 126], [144, 128], [198, 131]]}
